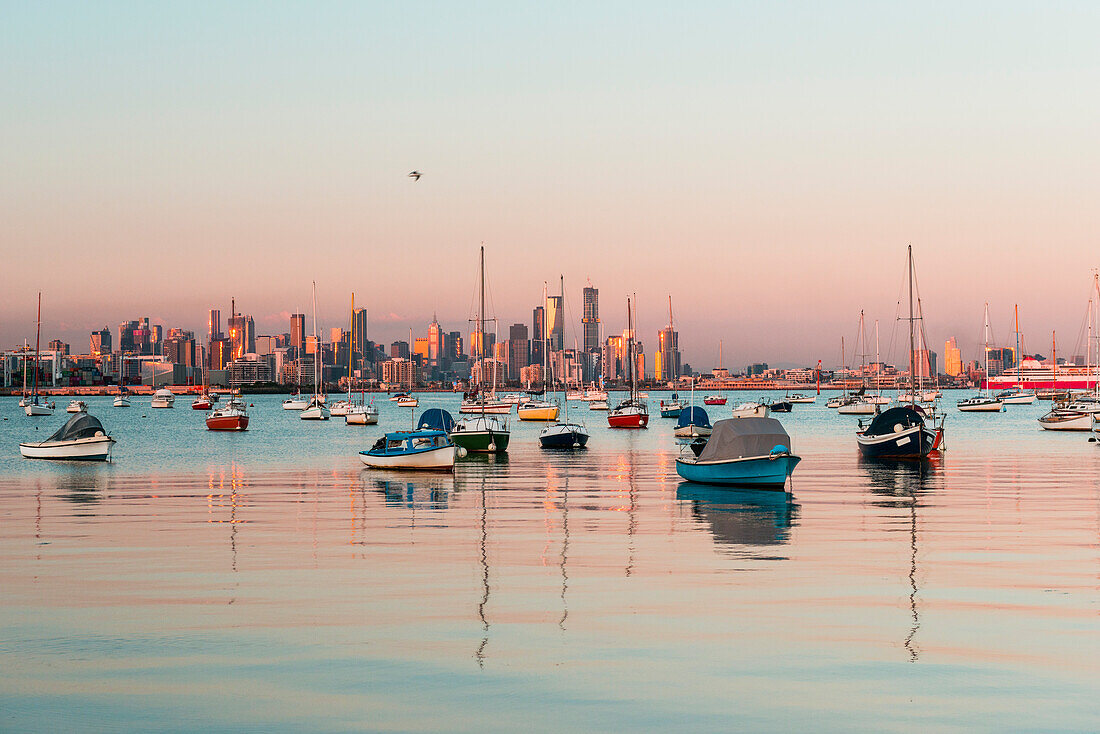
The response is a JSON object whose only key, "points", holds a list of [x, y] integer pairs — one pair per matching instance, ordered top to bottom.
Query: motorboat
{"points": [[595, 394], [574, 395], [398, 396], [1017, 396], [163, 398], [515, 398], [804, 399], [878, 399], [714, 400], [297, 401], [408, 401], [122, 402], [202, 402], [836, 402], [482, 404], [980, 404], [597, 405], [857, 405], [76, 406], [780, 406], [340, 408], [672, 408], [538, 410], [751, 410], [315, 411], [630, 413], [361, 415], [230, 417], [693, 422], [899, 433], [481, 434], [564, 435], [82, 438], [427, 450], [741, 452]]}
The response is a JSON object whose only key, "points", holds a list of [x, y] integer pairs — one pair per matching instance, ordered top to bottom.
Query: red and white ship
{"points": [[1033, 375], [232, 417]]}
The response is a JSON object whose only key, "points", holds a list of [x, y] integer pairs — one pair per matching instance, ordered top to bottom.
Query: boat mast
{"points": [[481, 329], [985, 336], [316, 341], [351, 342], [37, 344], [630, 349], [912, 355], [1018, 360], [878, 362]]}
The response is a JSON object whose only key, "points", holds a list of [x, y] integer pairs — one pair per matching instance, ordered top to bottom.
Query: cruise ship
{"points": [[1033, 375]]}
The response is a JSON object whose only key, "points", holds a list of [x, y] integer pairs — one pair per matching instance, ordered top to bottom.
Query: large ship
{"points": [[1033, 375]]}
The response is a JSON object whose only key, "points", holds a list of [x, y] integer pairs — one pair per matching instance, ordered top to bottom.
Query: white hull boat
{"points": [[162, 399], [805, 399], [121, 402], [296, 402], [981, 405], [76, 406], [491, 407], [857, 407], [340, 408], [37, 409], [751, 410], [361, 415], [1067, 421], [82, 438], [424, 450]]}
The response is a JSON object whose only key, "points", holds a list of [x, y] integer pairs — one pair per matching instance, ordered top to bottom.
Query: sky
{"points": [[764, 163]]}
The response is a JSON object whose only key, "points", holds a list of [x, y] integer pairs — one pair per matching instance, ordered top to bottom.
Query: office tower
{"points": [[591, 318], [555, 323], [214, 326], [298, 331], [359, 333], [336, 334], [538, 334], [156, 339], [435, 341], [100, 342], [56, 345], [452, 346], [179, 347], [421, 349], [519, 349], [399, 350], [220, 354], [612, 358], [952, 358], [925, 361], [666, 364]]}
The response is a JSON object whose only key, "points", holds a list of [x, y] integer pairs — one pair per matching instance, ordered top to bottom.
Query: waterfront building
{"points": [[591, 318], [56, 345], [250, 369], [398, 372]]}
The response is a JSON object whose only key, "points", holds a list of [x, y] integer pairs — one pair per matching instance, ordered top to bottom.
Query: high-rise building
{"points": [[591, 318], [555, 323], [214, 325], [298, 331], [359, 333], [336, 334], [538, 334], [242, 335], [156, 339], [435, 341], [100, 342], [452, 345], [179, 347], [421, 348], [519, 349], [400, 350], [221, 354], [952, 358], [612, 359], [925, 361], [667, 362]]}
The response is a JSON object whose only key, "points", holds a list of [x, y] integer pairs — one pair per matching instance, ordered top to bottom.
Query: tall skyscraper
{"points": [[591, 318], [555, 323], [214, 326], [298, 331], [359, 333], [538, 334], [242, 335], [435, 341], [100, 342], [519, 349], [400, 350], [952, 358], [667, 362]]}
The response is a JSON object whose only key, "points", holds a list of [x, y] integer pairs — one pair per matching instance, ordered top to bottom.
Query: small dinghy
{"points": [[672, 408], [693, 422], [82, 438], [413, 450], [744, 452]]}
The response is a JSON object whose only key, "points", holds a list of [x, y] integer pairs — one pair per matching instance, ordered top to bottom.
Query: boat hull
{"points": [[714, 401], [291, 404], [201, 405], [983, 407], [488, 408], [860, 408], [33, 409], [672, 412], [316, 413], [549, 413], [361, 418], [627, 420], [1078, 422], [227, 423], [690, 431], [564, 437], [482, 442], [915, 442], [97, 448], [437, 459], [758, 471]]}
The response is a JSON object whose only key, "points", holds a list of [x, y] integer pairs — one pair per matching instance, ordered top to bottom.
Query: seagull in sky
{"points": [[415, 175]]}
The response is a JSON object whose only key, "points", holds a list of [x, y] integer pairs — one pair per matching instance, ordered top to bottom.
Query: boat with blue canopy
{"points": [[692, 422], [413, 450], [741, 452]]}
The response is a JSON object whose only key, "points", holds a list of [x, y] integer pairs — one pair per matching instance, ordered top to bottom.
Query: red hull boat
{"points": [[714, 401], [200, 404], [628, 420], [217, 422]]}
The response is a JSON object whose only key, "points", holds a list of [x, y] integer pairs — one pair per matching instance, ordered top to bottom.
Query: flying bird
{"points": [[415, 175]]}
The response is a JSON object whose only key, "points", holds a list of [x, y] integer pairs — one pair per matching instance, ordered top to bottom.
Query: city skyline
{"points": [[768, 174]]}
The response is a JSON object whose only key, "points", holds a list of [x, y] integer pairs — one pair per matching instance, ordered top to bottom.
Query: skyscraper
{"points": [[591, 318], [555, 323], [214, 326], [298, 331], [359, 333], [538, 334], [435, 341], [100, 342], [519, 349], [952, 358], [667, 363]]}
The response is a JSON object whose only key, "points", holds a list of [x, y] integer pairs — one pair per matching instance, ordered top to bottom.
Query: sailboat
{"points": [[1016, 395], [122, 401], [203, 401], [983, 402], [858, 404], [37, 405], [343, 407], [540, 409], [316, 410], [632, 412], [692, 422], [483, 432], [903, 432], [564, 434]]}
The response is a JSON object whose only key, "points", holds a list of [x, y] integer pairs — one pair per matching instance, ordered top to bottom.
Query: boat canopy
{"points": [[693, 416], [436, 419], [887, 421], [81, 425], [736, 438]]}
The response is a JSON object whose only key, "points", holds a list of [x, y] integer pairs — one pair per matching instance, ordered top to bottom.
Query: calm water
{"points": [[265, 581]]}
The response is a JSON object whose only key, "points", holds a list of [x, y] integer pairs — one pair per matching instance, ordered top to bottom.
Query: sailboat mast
{"points": [[481, 317], [985, 337], [316, 341], [351, 342], [37, 344], [630, 347], [912, 355], [1018, 360]]}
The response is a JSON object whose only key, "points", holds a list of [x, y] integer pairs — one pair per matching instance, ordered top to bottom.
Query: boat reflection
{"points": [[902, 485], [83, 486], [432, 493], [741, 517]]}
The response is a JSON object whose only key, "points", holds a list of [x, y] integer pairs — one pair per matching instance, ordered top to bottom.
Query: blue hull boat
{"points": [[760, 471]]}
